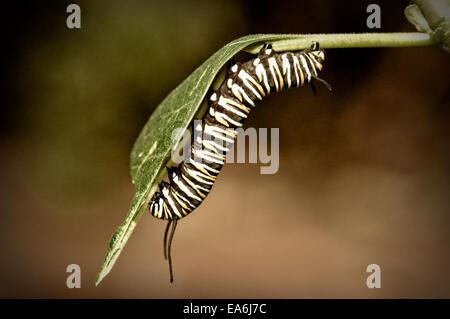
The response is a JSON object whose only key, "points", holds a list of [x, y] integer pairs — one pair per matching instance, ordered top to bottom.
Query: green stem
{"points": [[350, 40]]}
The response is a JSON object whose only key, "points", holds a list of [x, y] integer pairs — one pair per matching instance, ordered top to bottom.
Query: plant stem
{"points": [[349, 40]]}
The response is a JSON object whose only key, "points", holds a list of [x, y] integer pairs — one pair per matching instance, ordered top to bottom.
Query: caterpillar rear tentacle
{"points": [[245, 84]]}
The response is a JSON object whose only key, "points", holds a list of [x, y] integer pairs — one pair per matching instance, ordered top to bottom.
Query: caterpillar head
{"points": [[318, 54]]}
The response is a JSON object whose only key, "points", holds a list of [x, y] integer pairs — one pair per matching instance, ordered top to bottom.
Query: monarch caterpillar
{"points": [[246, 83]]}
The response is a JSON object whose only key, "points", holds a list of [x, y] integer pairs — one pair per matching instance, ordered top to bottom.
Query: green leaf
{"points": [[436, 15], [415, 17], [152, 150]]}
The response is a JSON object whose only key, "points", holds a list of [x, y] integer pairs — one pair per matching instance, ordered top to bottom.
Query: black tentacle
{"points": [[169, 249]]}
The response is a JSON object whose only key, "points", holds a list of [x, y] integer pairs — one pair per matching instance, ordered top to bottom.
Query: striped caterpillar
{"points": [[245, 85]]}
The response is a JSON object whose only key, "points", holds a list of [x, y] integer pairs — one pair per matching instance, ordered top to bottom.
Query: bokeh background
{"points": [[364, 170]]}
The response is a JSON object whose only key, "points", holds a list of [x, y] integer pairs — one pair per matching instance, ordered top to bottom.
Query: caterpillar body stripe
{"points": [[246, 84]]}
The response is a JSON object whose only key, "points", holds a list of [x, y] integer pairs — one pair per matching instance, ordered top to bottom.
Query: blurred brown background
{"points": [[364, 170]]}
